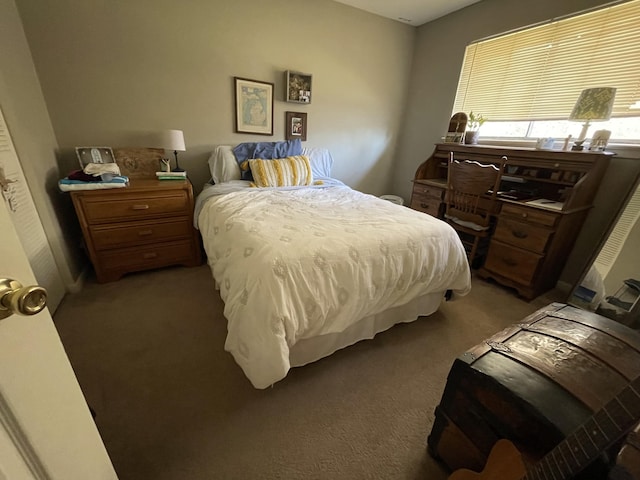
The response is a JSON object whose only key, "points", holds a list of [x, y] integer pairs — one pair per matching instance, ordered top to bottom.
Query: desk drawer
{"points": [[428, 190], [428, 205], [130, 207], [531, 215], [139, 233], [523, 235], [149, 256], [511, 262]]}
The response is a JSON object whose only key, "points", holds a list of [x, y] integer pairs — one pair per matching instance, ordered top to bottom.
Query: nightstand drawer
{"points": [[428, 190], [428, 205], [130, 207], [531, 215], [139, 233], [523, 235], [139, 258], [512, 263]]}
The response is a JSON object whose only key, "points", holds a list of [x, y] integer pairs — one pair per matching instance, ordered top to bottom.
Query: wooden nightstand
{"points": [[148, 224]]}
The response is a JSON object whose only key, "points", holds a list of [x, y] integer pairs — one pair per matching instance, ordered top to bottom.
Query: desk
{"points": [[532, 241]]}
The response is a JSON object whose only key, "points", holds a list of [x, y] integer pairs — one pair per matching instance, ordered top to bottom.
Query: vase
{"points": [[471, 137]]}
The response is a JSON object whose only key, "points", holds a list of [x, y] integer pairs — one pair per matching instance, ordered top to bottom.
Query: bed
{"points": [[306, 270]]}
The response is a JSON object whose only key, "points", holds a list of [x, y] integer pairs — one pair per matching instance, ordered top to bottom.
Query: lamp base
{"points": [[177, 169]]}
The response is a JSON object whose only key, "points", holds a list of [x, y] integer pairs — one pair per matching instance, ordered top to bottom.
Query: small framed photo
{"points": [[298, 87], [254, 106], [296, 126], [87, 155]]}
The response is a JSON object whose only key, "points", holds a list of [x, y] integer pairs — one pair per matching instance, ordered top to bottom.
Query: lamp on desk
{"points": [[593, 105], [173, 140]]}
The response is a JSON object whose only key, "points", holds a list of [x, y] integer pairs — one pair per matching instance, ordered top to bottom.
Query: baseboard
{"points": [[564, 287]]}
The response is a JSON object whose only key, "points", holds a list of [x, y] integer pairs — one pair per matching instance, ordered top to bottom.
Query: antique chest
{"points": [[534, 383]]}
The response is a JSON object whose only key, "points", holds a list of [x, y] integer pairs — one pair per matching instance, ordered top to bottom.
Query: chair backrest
{"points": [[468, 187]]}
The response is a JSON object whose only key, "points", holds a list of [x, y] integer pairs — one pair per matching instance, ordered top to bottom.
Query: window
{"points": [[526, 82]]}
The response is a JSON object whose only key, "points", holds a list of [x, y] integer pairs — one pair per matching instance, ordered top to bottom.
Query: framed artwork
{"points": [[298, 87], [254, 106], [296, 126], [457, 127], [87, 155]]}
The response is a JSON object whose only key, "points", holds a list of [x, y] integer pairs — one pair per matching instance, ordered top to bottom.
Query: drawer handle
{"points": [[424, 205], [140, 207], [525, 215], [144, 233], [519, 234], [149, 255], [509, 262]]}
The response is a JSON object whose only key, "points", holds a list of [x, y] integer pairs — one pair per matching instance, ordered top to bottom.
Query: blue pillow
{"points": [[266, 151]]}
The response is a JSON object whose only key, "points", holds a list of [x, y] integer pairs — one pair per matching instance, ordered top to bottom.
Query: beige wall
{"points": [[438, 56], [113, 70], [26, 115]]}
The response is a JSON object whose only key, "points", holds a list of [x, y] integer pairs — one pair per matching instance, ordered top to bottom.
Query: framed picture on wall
{"points": [[298, 87], [254, 106], [296, 126]]}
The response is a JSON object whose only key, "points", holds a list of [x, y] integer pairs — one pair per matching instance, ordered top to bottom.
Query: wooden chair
{"points": [[472, 189]]}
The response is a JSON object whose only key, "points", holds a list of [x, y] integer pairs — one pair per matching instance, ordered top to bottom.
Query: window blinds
{"points": [[538, 73]]}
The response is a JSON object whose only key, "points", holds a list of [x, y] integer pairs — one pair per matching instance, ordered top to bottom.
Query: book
{"points": [[171, 174], [171, 177]]}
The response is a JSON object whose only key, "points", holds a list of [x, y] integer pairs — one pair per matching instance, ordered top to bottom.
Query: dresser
{"points": [[544, 199], [148, 224]]}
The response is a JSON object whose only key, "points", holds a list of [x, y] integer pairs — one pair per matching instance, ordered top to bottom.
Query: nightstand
{"points": [[148, 224]]}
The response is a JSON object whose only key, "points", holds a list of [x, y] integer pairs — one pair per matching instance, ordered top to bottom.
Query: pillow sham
{"points": [[265, 151], [320, 160], [223, 165], [281, 172]]}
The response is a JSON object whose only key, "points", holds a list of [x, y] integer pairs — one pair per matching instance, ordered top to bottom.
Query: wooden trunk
{"points": [[534, 383]]}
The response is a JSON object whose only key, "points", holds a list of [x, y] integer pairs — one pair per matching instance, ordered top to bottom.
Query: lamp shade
{"points": [[594, 104], [172, 140]]}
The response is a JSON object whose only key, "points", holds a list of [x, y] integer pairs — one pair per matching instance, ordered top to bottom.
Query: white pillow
{"points": [[321, 161], [223, 165]]}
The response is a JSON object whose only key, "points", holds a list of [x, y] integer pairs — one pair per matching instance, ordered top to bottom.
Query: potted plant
{"points": [[473, 126]]}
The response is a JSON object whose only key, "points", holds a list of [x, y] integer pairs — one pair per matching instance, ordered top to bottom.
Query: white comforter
{"points": [[297, 263]]}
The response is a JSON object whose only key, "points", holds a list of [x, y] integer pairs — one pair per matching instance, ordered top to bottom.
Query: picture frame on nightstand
{"points": [[87, 155]]}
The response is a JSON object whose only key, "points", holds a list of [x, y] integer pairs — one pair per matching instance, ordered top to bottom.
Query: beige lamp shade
{"points": [[172, 140]]}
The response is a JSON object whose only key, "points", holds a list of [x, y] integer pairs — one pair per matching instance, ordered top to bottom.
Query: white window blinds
{"points": [[538, 73]]}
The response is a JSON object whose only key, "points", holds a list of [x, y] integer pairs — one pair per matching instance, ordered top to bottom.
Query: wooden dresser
{"points": [[148, 224], [531, 242]]}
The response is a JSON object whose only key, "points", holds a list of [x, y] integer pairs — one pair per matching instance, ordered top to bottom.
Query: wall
{"points": [[438, 57], [113, 70], [26, 115]]}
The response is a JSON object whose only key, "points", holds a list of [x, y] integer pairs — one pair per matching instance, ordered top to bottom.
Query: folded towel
{"points": [[98, 169], [114, 179]]}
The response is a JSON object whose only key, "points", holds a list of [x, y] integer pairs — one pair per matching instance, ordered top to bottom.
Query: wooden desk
{"points": [[531, 243]]}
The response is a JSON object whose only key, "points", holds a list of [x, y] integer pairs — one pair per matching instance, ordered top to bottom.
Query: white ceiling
{"points": [[412, 12]]}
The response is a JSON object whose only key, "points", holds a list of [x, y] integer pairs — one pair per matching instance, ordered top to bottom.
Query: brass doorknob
{"points": [[15, 298]]}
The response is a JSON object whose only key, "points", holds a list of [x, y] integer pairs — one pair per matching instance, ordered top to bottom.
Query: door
{"points": [[46, 429]]}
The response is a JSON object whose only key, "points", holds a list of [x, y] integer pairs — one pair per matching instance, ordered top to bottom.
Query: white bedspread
{"points": [[297, 263]]}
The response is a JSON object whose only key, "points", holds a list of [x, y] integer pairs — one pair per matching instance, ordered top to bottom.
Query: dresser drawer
{"points": [[428, 190], [428, 205], [130, 207], [530, 215], [139, 233], [523, 235], [150, 256], [511, 262]]}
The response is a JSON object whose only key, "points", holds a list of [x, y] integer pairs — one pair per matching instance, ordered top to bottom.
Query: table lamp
{"points": [[593, 105], [173, 140]]}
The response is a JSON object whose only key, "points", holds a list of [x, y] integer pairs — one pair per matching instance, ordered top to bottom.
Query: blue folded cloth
{"points": [[264, 150], [113, 179]]}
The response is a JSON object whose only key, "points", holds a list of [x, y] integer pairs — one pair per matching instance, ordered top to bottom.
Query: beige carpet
{"points": [[149, 354]]}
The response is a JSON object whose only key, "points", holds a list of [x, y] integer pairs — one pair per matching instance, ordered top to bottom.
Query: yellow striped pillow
{"points": [[281, 172]]}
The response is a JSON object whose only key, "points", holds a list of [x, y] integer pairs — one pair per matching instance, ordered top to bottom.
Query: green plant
{"points": [[475, 121]]}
